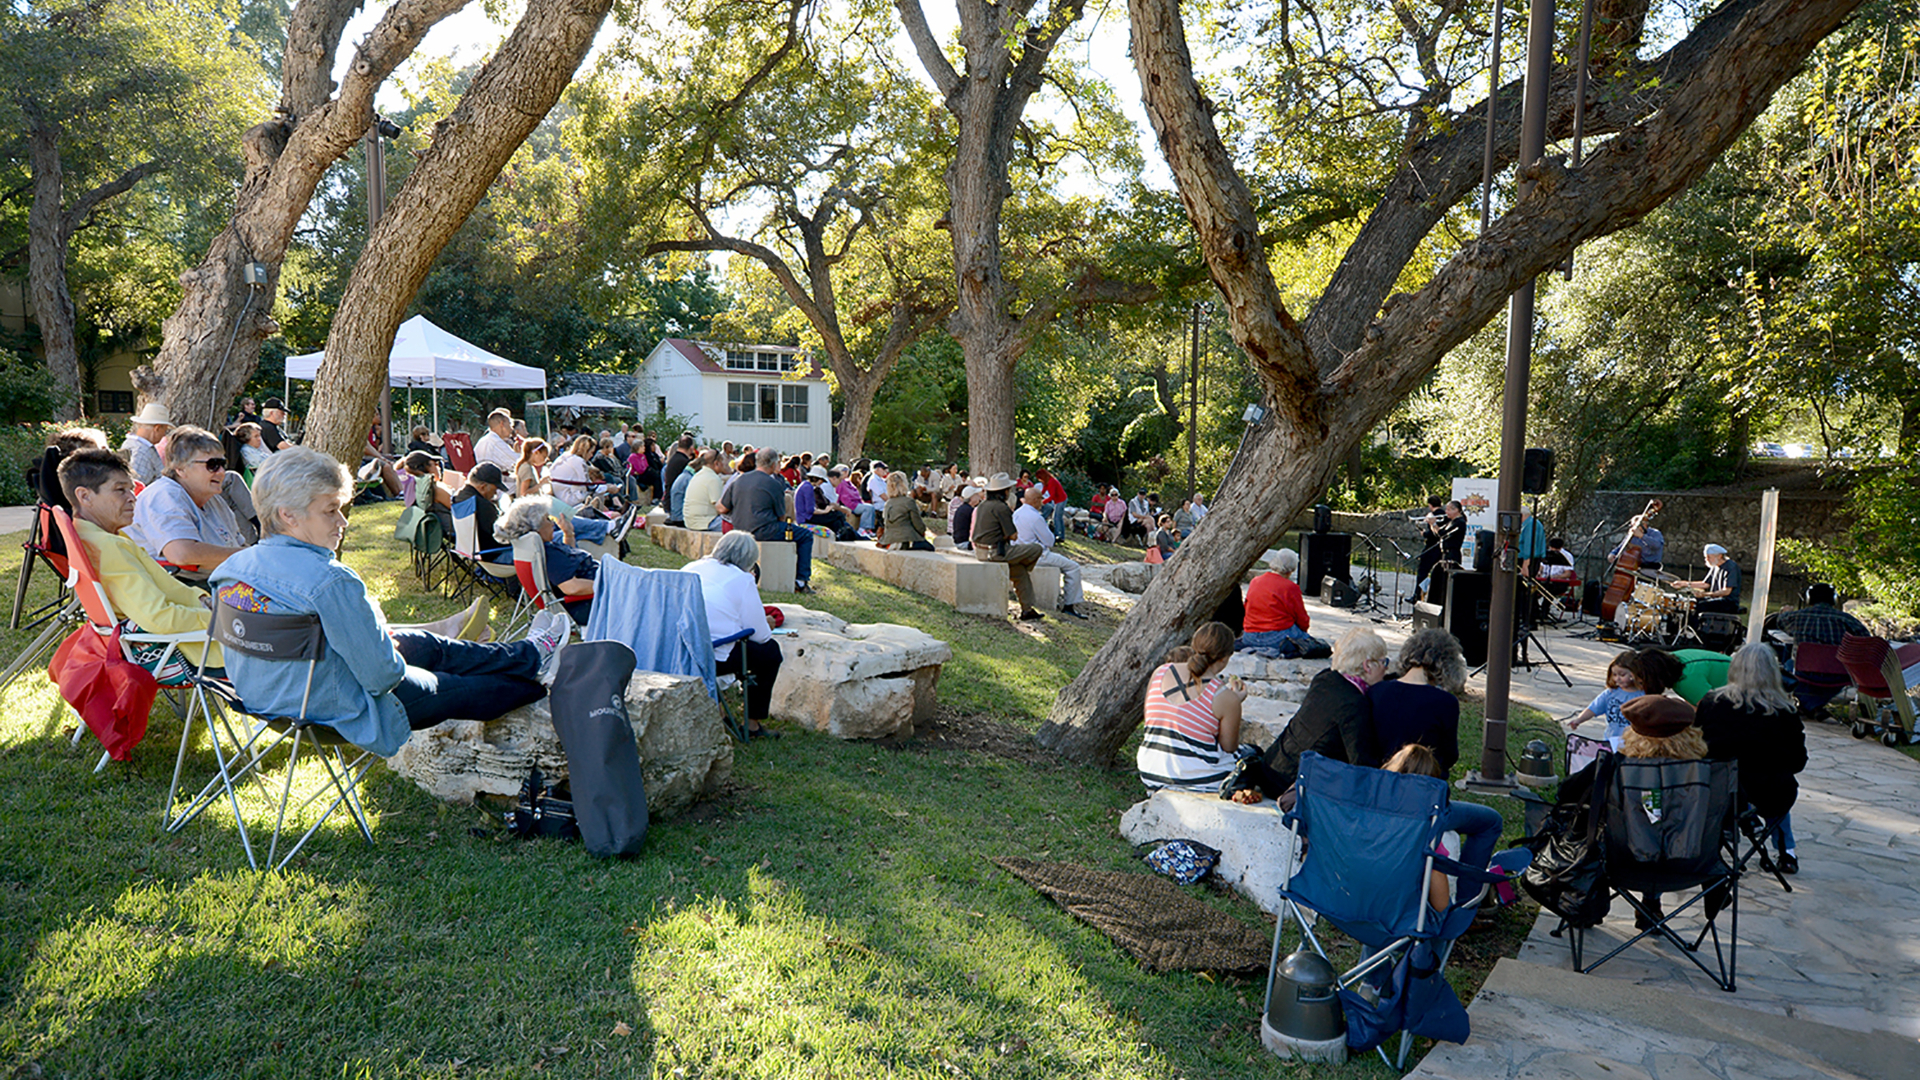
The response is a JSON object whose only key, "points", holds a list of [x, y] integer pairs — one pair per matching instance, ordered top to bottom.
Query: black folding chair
{"points": [[281, 639], [736, 726], [1666, 825]]}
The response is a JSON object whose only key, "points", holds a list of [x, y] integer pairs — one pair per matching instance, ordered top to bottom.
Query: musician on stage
{"points": [[1453, 533], [1429, 540], [1652, 545], [1720, 590]]}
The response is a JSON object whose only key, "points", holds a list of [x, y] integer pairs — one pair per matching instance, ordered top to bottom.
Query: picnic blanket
{"points": [[1157, 922]]}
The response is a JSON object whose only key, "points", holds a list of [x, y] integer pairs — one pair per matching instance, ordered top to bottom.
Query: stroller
{"points": [[1371, 840]]}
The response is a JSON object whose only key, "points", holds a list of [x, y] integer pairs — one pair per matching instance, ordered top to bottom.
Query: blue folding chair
{"points": [[1370, 839]]}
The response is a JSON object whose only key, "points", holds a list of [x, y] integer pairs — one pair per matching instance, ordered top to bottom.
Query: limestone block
{"points": [[656, 515], [779, 563], [952, 577], [1133, 577], [1046, 587], [855, 681], [1262, 719], [685, 752], [1255, 846]]}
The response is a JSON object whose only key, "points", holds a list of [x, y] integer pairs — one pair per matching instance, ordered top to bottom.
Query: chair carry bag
{"points": [[589, 708]]}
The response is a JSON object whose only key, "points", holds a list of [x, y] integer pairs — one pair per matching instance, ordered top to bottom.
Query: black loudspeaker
{"points": [[1536, 478], [1322, 517], [1483, 551], [1326, 555], [1338, 592], [1590, 593], [1468, 613], [1425, 615], [1722, 631]]}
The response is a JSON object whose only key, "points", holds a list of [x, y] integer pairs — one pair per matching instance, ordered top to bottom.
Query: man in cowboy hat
{"points": [[150, 425], [994, 540]]}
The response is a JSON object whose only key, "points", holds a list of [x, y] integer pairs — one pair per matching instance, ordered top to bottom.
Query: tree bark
{"points": [[506, 101], [47, 264], [211, 343], [1324, 398]]}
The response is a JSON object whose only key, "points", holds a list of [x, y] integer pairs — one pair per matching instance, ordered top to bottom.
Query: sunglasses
{"points": [[213, 464]]}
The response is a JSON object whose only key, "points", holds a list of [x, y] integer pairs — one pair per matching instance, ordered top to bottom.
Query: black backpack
{"points": [[589, 708], [1568, 875]]}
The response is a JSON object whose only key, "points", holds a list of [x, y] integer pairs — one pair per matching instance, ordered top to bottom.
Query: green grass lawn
{"points": [[834, 914]]}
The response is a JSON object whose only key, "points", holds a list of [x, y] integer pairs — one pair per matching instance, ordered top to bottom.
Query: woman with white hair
{"points": [[569, 570], [733, 605], [1276, 611], [374, 683], [1335, 719], [1754, 721]]}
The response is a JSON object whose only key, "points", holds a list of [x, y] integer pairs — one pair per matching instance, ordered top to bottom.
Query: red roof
{"points": [[702, 362]]}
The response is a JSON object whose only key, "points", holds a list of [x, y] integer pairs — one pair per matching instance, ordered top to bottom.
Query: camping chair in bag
{"points": [[470, 557], [536, 590], [283, 639], [169, 665], [1882, 697], [1665, 827], [1371, 840]]}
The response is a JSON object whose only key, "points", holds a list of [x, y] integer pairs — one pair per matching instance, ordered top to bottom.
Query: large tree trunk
{"points": [[507, 100], [47, 266], [211, 343], [1328, 390], [856, 415]]}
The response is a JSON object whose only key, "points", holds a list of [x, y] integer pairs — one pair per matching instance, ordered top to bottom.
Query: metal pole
{"points": [[1493, 96], [376, 207], [1193, 401], [1513, 423]]}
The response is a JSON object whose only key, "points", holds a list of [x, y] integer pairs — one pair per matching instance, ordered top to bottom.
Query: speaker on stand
{"points": [[1536, 476], [1324, 555]]}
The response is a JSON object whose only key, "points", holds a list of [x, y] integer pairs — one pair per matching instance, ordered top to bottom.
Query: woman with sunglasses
{"points": [[181, 518]]}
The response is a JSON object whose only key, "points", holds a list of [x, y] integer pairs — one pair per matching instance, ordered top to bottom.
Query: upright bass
{"points": [[1625, 570]]}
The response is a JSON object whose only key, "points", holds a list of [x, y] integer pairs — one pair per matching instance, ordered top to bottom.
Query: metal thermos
{"points": [[1301, 1003]]}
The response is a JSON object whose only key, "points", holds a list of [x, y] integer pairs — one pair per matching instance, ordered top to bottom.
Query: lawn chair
{"points": [[458, 447], [43, 543], [469, 556], [537, 591], [660, 614], [59, 616], [280, 638], [169, 666], [1818, 675], [1882, 697], [736, 725], [1370, 838], [1681, 850]]}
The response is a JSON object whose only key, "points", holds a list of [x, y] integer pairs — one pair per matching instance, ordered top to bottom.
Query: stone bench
{"points": [[779, 559], [954, 578], [855, 681], [685, 751], [1255, 845]]}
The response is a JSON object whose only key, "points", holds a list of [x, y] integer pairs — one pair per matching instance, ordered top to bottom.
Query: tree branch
{"points": [[914, 20], [120, 185]]}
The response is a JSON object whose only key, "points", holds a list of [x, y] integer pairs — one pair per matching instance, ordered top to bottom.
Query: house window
{"points": [[739, 361], [769, 361], [116, 401], [740, 403], [769, 403], [793, 404], [660, 406]]}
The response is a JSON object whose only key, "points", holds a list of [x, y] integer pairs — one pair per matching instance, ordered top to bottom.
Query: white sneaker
{"points": [[550, 638]]}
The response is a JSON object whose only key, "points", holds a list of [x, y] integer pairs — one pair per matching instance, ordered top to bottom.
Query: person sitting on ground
{"points": [[144, 432], [422, 441], [499, 445], [99, 487], [483, 487], [758, 503], [813, 505], [700, 509], [858, 509], [181, 517], [1031, 521], [902, 526], [1166, 537], [995, 538], [569, 570], [733, 605], [1276, 612], [1625, 681], [373, 684], [1422, 705], [1336, 716], [1754, 721], [1192, 734], [1472, 830]]}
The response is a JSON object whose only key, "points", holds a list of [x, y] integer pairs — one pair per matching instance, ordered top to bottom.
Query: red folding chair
{"points": [[458, 446], [530, 564], [1818, 674], [1882, 698]]}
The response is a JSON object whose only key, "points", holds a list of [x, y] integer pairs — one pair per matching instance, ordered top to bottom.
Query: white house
{"points": [[765, 395]]}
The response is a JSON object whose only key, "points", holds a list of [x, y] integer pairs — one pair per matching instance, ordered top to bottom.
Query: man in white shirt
{"points": [[498, 444], [877, 484], [1032, 527]]}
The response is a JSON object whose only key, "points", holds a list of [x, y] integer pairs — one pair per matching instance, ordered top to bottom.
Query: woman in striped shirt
{"points": [[1193, 718]]}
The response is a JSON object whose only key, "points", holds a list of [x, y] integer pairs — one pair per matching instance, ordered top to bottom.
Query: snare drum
{"points": [[1646, 594], [1641, 621]]}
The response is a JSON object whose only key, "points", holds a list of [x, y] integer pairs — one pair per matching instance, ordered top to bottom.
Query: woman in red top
{"points": [[1276, 611]]}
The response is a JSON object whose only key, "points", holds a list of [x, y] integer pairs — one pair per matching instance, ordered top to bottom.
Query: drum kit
{"points": [[1654, 614]]}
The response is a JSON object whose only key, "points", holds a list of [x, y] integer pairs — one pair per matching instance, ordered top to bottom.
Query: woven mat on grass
{"points": [[1157, 922]]}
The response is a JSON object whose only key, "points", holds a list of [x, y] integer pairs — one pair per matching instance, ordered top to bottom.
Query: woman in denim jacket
{"points": [[373, 684]]}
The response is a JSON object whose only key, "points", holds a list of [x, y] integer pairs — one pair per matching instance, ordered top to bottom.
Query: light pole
{"points": [[376, 206]]}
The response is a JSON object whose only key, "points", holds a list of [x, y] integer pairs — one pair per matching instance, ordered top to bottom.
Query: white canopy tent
{"points": [[425, 355], [584, 402]]}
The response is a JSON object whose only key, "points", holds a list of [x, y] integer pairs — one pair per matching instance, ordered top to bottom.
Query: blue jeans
{"points": [[1056, 515], [866, 516], [714, 525], [590, 530], [802, 547], [1270, 639], [464, 680], [1479, 828]]}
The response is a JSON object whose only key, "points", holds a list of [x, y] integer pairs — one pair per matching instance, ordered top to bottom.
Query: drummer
{"points": [[1652, 545], [1720, 589]]}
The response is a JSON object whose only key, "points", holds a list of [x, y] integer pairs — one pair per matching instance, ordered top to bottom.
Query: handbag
{"points": [[1185, 861], [1568, 875]]}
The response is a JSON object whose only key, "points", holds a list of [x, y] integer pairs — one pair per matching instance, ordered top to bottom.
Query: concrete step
{"points": [[1534, 1021]]}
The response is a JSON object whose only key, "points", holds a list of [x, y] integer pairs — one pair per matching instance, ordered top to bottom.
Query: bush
{"points": [[28, 390], [21, 446], [1878, 554]]}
